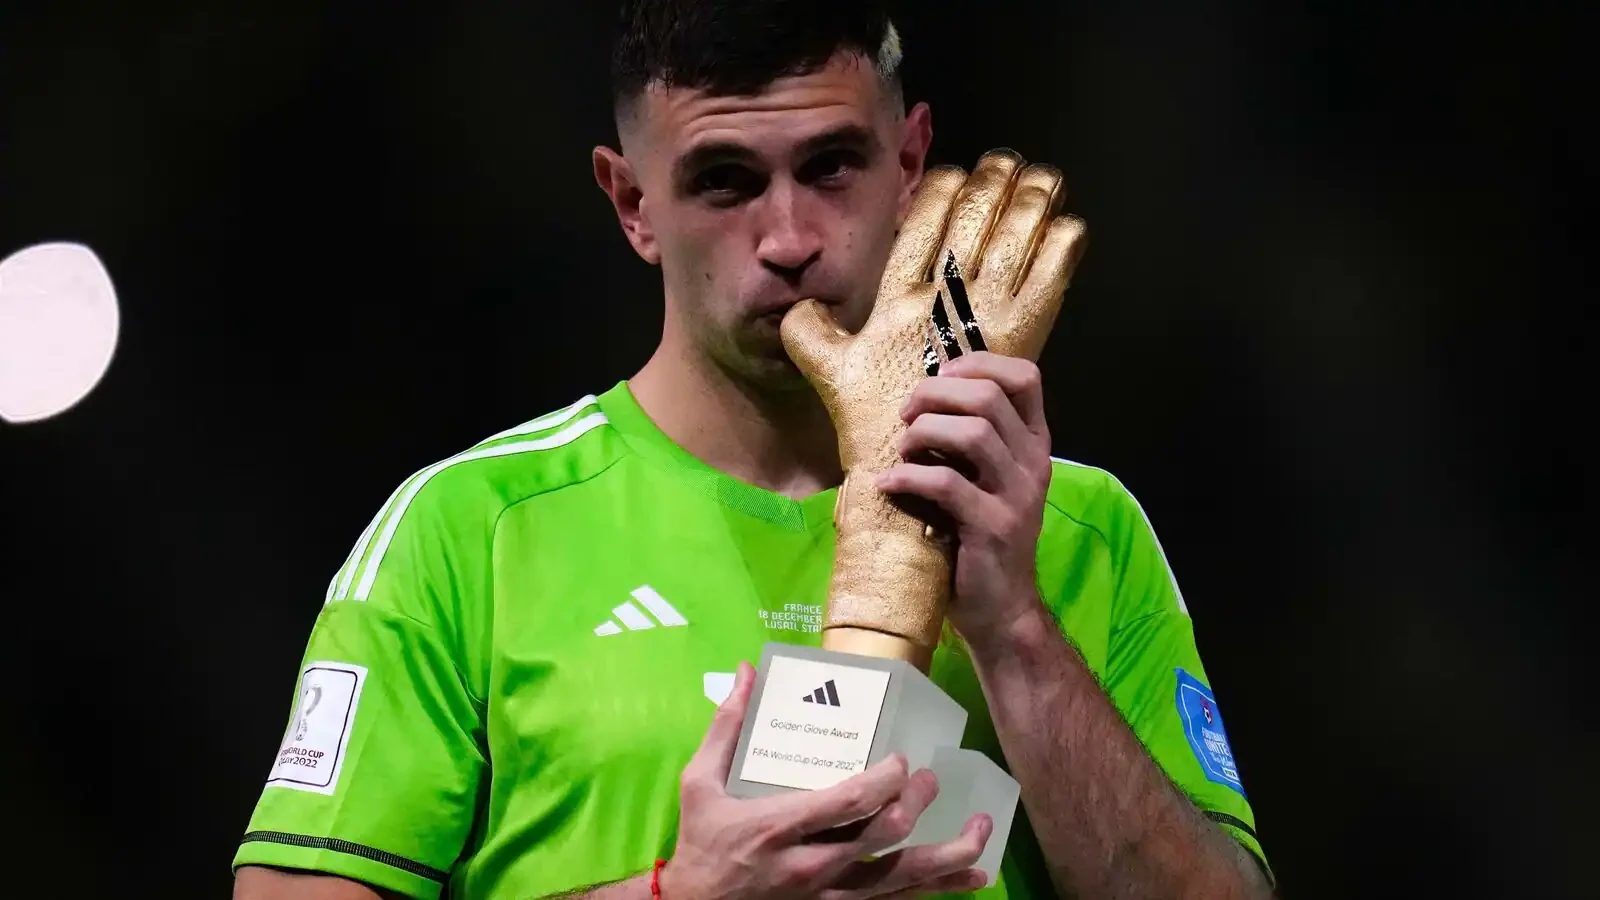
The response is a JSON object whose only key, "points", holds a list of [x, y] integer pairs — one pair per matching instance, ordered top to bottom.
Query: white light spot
{"points": [[58, 329], [718, 685]]}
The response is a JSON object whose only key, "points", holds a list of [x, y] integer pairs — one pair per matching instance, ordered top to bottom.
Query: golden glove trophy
{"points": [[981, 263]]}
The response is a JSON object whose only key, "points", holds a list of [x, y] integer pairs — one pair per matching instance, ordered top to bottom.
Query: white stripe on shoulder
{"points": [[549, 420], [414, 486], [348, 573], [340, 587], [1177, 592]]}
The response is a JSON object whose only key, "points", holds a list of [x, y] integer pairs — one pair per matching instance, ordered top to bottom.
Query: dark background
{"points": [[1328, 330]]}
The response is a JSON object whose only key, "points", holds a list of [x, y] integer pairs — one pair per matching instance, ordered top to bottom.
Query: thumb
{"points": [[815, 341], [714, 759]]}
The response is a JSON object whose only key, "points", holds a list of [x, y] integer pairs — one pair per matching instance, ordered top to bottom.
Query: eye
{"points": [[831, 166], [727, 183]]}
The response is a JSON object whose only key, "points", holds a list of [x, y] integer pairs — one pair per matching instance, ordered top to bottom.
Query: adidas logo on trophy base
{"points": [[827, 695]]}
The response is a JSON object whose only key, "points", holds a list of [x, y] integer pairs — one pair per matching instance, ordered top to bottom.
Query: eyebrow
{"points": [[851, 135], [697, 158]]}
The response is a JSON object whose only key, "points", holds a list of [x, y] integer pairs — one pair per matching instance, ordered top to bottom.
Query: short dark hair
{"points": [[734, 47]]}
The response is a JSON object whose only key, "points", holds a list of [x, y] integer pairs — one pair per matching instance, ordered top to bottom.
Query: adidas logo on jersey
{"points": [[656, 610], [827, 695]]}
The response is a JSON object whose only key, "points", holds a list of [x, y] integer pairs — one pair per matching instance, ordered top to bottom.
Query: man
{"points": [[506, 693]]}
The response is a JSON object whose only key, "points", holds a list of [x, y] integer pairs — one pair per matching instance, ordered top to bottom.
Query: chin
{"points": [[764, 364], [776, 374], [788, 379]]}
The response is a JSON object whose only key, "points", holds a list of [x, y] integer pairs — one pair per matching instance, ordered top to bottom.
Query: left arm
{"points": [[1108, 819]]}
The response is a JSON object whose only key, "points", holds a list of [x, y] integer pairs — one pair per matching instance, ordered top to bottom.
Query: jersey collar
{"points": [[644, 438]]}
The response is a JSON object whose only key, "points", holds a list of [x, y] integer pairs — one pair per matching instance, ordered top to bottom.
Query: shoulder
{"points": [[546, 453], [1087, 494], [1098, 501], [451, 505]]}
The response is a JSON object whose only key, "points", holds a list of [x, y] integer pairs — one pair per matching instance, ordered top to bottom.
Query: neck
{"points": [[780, 439]]}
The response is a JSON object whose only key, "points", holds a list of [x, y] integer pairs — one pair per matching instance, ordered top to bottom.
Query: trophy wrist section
{"points": [[889, 577], [866, 642]]}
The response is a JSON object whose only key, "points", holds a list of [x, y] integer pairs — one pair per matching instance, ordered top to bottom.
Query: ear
{"points": [[915, 140], [616, 177]]}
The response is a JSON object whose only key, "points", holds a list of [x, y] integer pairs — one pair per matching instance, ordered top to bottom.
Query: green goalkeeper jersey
{"points": [[527, 644]]}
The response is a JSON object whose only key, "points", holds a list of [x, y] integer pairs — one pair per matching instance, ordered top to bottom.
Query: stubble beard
{"points": [[759, 359]]}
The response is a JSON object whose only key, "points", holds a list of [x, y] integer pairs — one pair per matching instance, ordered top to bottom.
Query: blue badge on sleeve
{"points": [[1202, 725]]}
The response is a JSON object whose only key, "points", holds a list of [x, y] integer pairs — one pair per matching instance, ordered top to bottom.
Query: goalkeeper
{"points": [[528, 676]]}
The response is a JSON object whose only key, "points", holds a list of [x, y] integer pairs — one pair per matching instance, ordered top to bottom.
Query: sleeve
{"points": [[1155, 677], [377, 775]]}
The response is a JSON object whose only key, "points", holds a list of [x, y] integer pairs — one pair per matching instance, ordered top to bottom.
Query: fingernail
{"points": [[978, 878]]}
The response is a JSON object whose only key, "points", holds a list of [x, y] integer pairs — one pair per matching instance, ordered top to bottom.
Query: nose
{"points": [[790, 239]]}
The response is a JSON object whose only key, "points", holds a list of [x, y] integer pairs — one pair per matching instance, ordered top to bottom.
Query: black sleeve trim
{"points": [[1233, 822], [1236, 822], [338, 846]]}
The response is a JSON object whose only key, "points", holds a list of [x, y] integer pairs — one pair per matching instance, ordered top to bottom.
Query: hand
{"points": [[980, 265], [983, 413], [809, 845]]}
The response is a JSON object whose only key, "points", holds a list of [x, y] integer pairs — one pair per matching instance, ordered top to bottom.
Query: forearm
{"points": [[1108, 820], [635, 888]]}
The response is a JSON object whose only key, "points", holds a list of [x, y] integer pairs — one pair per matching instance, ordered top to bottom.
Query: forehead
{"points": [[847, 91]]}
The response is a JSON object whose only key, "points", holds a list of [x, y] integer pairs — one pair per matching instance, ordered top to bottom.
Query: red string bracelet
{"points": [[655, 880]]}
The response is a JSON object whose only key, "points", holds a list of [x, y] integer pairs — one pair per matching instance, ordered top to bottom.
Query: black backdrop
{"points": [[1328, 331]]}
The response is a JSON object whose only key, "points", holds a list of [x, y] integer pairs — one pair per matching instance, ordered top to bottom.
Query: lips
{"points": [[777, 310]]}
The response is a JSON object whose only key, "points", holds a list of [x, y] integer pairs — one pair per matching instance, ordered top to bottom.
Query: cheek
{"points": [[872, 222], [865, 241], [688, 252], [703, 265]]}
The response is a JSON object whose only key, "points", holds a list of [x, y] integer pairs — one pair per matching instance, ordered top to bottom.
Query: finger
{"points": [[977, 206], [1021, 226], [1060, 248], [912, 258], [1033, 311], [815, 341], [1018, 378], [1002, 389], [970, 438], [944, 487], [709, 767], [805, 813], [894, 823], [833, 850], [915, 866], [960, 882]]}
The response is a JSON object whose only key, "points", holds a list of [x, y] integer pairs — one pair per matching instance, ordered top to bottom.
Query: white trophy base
{"points": [[817, 717]]}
